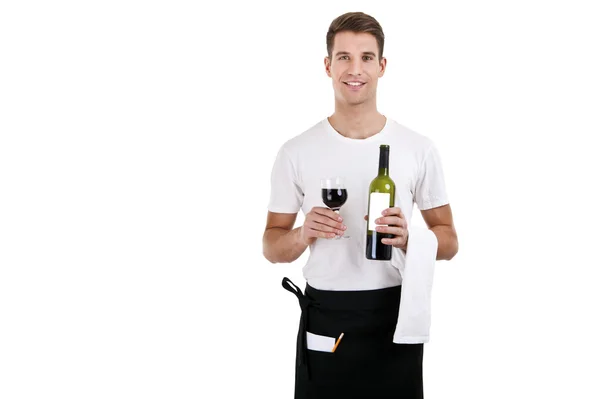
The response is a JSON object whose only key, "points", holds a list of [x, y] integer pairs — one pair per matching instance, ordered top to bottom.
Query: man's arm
{"points": [[439, 220], [281, 244]]}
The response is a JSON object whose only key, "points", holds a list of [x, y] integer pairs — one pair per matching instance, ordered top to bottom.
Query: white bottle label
{"points": [[379, 202]]}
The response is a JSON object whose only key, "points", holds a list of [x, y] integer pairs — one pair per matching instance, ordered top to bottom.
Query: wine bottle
{"points": [[382, 192]]}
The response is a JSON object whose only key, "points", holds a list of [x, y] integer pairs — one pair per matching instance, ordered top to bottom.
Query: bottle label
{"points": [[378, 203]]}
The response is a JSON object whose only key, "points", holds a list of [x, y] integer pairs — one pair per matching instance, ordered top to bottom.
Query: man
{"points": [[346, 293]]}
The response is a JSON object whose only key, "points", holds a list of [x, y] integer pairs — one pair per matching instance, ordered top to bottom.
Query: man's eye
{"points": [[343, 57], [368, 57]]}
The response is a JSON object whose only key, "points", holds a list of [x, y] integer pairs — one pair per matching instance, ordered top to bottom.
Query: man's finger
{"points": [[395, 211], [328, 212], [324, 220], [391, 221], [326, 228], [396, 231], [320, 234], [326, 235], [390, 241], [396, 242]]}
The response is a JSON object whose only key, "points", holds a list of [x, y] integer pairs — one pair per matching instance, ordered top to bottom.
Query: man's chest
{"points": [[356, 169]]}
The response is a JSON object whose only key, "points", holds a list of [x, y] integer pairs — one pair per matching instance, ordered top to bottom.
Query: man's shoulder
{"points": [[305, 138], [415, 140]]}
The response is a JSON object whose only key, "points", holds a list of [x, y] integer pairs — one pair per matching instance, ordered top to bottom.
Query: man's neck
{"points": [[357, 122]]}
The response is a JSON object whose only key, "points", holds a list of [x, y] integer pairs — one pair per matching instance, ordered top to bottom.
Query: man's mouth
{"points": [[354, 84]]}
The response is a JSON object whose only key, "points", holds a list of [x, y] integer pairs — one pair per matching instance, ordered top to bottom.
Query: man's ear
{"points": [[327, 62], [382, 66]]}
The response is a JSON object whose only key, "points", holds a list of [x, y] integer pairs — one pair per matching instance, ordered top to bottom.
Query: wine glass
{"points": [[334, 195]]}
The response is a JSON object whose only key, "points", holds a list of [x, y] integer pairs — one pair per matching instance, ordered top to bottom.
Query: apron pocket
{"points": [[319, 343]]}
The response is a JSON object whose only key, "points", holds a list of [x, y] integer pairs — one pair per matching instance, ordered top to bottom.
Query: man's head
{"points": [[355, 57]]}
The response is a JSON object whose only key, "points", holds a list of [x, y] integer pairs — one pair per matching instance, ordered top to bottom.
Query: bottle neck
{"points": [[384, 162]]}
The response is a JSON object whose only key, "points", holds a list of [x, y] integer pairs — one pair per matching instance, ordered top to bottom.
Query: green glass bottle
{"points": [[382, 192]]}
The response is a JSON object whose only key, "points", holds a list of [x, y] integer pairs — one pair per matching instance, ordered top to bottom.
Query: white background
{"points": [[136, 144]]}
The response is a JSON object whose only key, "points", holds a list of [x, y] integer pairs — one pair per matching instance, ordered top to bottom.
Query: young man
{"points": [[346, 292]]}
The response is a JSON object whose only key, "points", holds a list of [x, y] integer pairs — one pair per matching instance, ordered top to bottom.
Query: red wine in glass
{"points": [[334, 194], [334, 198]]}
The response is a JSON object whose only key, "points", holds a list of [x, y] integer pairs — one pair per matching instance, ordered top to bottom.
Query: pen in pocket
{"points": [[337, 342]]}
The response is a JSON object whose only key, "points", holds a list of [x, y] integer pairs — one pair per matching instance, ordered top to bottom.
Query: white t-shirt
{"points": [[319, 152]]}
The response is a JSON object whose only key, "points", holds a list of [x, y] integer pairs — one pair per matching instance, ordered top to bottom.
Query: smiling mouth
{"points": [[354, 84]]}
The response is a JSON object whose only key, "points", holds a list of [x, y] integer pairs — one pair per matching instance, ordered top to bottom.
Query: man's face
{"points": [[355, 67]]}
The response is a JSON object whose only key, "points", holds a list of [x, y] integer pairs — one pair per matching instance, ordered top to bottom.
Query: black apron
{"points": [[366, 363]]}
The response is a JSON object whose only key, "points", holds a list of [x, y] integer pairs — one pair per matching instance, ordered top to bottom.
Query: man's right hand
{"points": [[321, 222]]}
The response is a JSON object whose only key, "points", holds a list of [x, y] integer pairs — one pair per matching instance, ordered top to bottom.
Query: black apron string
{"points": [[305, 302]]}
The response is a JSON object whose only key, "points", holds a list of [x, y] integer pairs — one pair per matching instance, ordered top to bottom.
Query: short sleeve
{"points": [[430, 188], [286, 193]]}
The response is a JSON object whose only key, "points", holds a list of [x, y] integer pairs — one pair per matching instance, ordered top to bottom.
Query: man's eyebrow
{"points": [[372, 54]]}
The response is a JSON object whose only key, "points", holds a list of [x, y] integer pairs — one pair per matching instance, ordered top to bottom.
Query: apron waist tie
{"points": [[305, 303]]}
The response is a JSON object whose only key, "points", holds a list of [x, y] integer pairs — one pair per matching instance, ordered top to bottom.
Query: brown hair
{"points": [[358, 22]]}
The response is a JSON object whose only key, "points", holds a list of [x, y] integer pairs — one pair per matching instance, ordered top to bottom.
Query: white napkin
{"points": [[414, 316]]}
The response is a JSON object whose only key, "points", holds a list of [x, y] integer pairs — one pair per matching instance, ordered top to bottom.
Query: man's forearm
{"points": [[447, 242], [283, 246]]}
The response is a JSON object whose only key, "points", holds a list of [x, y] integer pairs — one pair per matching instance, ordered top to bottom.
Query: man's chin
{"points": [[354, 101]]}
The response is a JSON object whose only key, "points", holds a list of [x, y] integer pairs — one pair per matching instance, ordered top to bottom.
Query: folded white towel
{"points": [[414, 316]]}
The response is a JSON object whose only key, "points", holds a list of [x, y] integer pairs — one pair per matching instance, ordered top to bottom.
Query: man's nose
{"points": [[356, 67]]}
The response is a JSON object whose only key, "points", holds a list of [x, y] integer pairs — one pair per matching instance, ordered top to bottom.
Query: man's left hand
{"points": [[392, 221]]}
